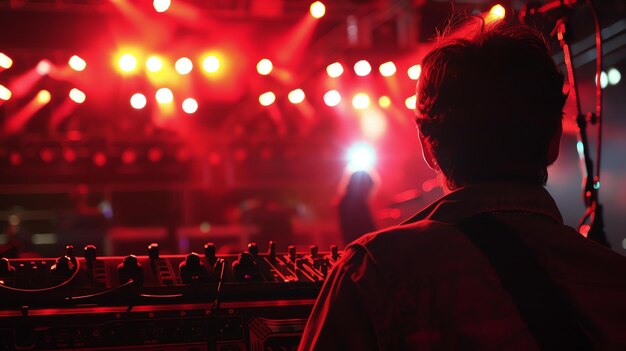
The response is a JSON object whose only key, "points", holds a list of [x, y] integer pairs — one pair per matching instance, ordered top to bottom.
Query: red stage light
{"points": [[161, 5], [317, 9], [497, 12], [5, 61], [77, 63], [127, 63], [154, 64], [211, 64], [183, 65], [43, 67], [264, 67], [362, 68], [387, 69], [334, 70], [414, 72], [5, 93], [77, 96], [164, 96], [296, 96], [43, 97], [267, 98], [332, 98], [138, 101], [361, 101], [384, 101], [411, 102], [190, 105], [155, 154], [46, 155], [69, 155], [129, 156], [361, 157], [15, 158], [99, 159]]}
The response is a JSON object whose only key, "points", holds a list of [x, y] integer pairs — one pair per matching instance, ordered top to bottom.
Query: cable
{"points": [[599, 117], [51, 288], [102, 293]]}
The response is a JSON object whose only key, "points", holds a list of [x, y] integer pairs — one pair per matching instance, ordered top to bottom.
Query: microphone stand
{"points": [[591, 183]]}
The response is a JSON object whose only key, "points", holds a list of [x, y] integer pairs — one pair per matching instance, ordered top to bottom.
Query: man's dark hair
{"points": [[489, 105]]}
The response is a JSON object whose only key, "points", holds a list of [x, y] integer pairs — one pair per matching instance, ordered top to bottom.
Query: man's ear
{"points": [[553, 147], [427, 151]]}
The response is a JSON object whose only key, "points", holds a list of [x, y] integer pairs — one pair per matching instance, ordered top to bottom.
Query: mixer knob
{"points": [[253, 249], [272, 250], [313, 250], [153, 251], [69, 252], [209, 252], [334, 252], [292, 253], [90, 254], [192, 261], [62, 266], [324, 267], [130, 268], [245, 268], [6, 270], [192, 270]]}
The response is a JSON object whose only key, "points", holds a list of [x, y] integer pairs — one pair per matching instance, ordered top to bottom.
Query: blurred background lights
{"points": [[161, 5], [317, 9], [497, 12], [5, 61], [77, 63], [127, 63], [154, 64], [211, 64], [183, 65], [43, 67], [264, 67], [362, 68], [387, 69], [334, 70], [414, 72], [614, 76], [604, 80], [5, 93], [77, 96], [164, 96], [296, 96], [43, 97], [267, 98], [332, 98], [138, 101], [360, 101], [384, 101], [410, 102], [190, 105], [361, 157]]}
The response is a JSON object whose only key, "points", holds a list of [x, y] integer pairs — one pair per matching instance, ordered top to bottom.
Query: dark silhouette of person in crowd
{"points": [[355, 217], [490, 265]]}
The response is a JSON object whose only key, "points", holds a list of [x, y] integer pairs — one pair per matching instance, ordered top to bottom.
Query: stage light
{"points": [[161, 5], [317, 9], [497, 12], [5, 61], [77, 63], [127, 63], [154, 64], [211, 64], [183, 65], [43, 67], [264, 67], [362, 68], [387, 69], [334, 70], [414, 72], [614, 76], [604, 80], [5, 93], [77, 96], [164, 96], [296, 96], [43, 97], [267, 98], [332, 98], [138, 101], [360, 101], [384, 102], [410, 102], [190, 105], [155, 154], [46, 155], [69, 155], [129, 156], [361, 157], [15, 158], [99, 159]]}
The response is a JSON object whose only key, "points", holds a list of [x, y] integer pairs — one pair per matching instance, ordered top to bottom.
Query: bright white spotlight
{"points": [[161, 5], [317, 9], [497, 12], [5, 61], [77, 63], [127, 63], [154, 64], [211, 64], [183, 65], [43, 67], [264, 67], [362, 68], [387, 69], [334, 70], [414, 72], [614, 76], [604, 79], [5, 93], [77, 96], [164, 96], [296, 96], [43, 97], [267, 98], [332, 98], [138, 101], [360, 101], [384, 101], [411, 102], [190, 105], [361, 157]]}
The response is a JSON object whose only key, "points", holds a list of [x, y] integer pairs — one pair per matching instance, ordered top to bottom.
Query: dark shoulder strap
{"points": [[549, 315]]}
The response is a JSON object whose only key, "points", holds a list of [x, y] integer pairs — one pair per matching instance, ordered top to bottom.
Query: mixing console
{"points": [[199, 301]]}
